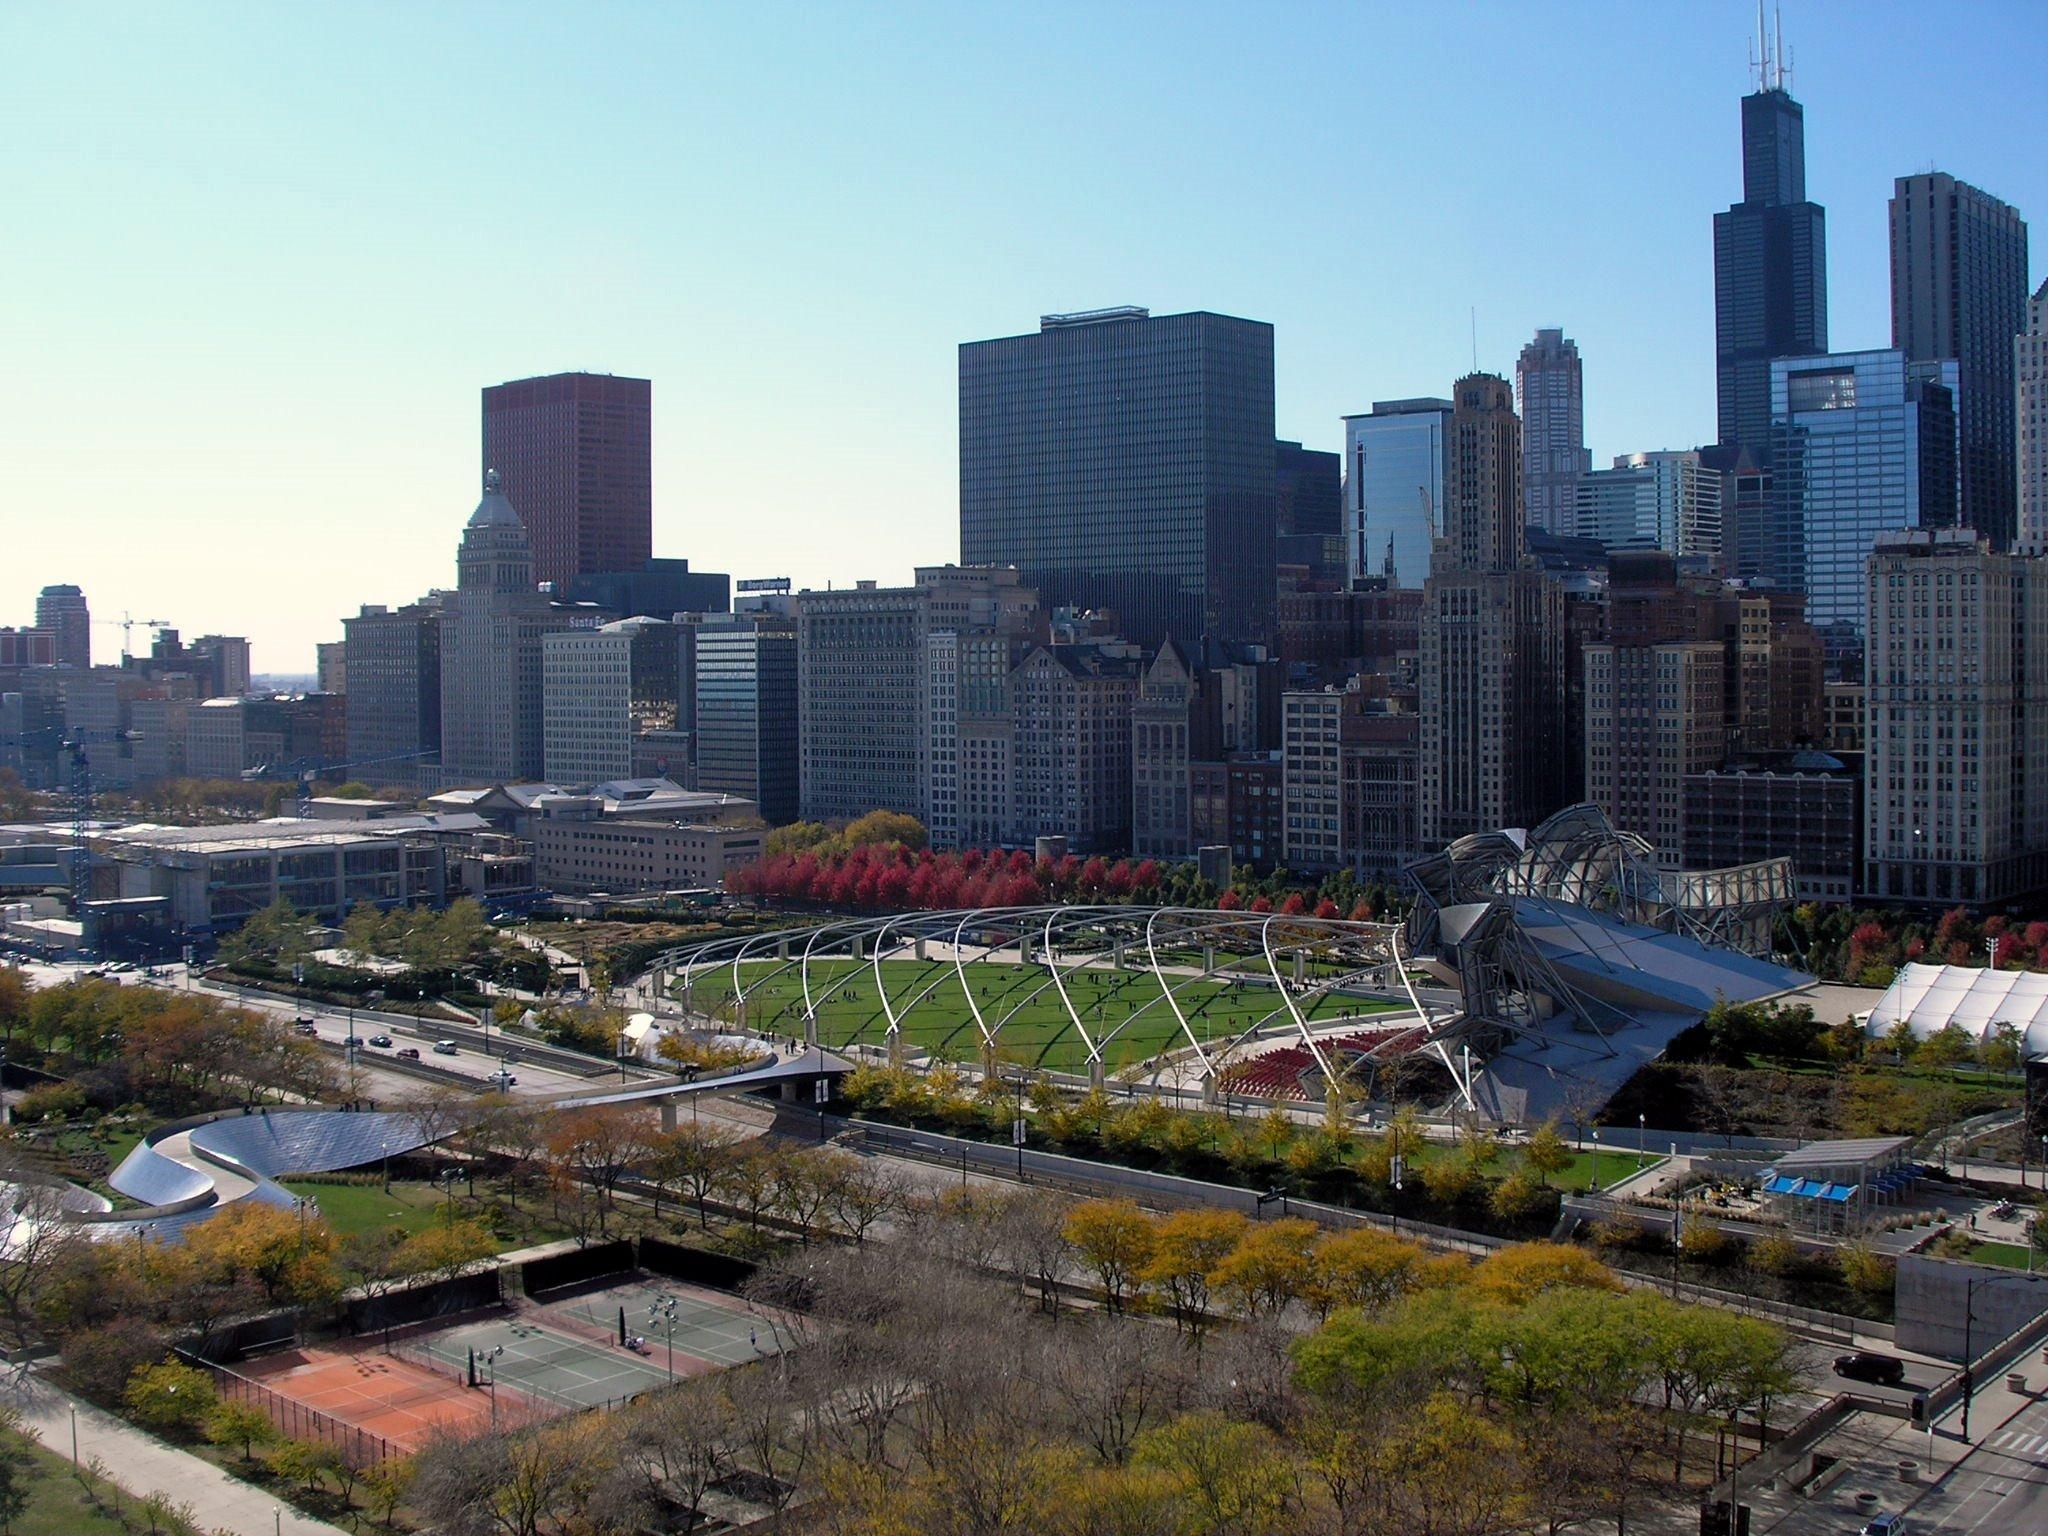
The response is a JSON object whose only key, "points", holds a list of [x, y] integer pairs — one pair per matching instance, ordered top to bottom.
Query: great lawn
{"points": [[1124, 1011]]}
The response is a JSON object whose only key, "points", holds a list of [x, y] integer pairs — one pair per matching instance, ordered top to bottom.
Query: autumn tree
{"points": [[1114, 1242]]}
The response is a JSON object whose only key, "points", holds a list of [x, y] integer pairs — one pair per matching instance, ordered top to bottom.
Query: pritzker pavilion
{"points": [[1537, 971]]}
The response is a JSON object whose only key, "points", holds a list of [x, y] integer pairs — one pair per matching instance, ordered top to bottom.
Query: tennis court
{"points": [[708, 1329], [519, 1354], [384, 1396]]}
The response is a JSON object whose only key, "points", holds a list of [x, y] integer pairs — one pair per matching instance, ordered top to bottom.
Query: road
{"points": [[1999, 1489]]}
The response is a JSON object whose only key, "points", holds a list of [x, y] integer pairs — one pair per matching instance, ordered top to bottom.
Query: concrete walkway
{"points": [[143, 1465]]}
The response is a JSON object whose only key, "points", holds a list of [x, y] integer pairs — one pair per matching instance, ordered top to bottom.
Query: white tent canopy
{"points": [[1931, 997]]}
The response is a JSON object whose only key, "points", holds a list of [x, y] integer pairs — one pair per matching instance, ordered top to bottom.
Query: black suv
{"points": [[1878, 1370]]}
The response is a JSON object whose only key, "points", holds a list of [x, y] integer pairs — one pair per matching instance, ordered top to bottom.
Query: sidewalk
{"points": [[143, 1465]]}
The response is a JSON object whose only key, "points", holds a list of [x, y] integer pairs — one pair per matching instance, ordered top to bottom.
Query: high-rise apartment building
{"points": [[1770, 265], [1959, 290], [1550, 385], [2030, 412], [1864, 443], [573, 453], [1123, 461], [1394, 489], [1667, 501], [62, 611], [491, 633], [393, 660], [330, 666], [1491, 669], [864, 684], [600, 690], [746, 691], [1654, 713], [1161, 751], [1071, 769], [1955, 797]]}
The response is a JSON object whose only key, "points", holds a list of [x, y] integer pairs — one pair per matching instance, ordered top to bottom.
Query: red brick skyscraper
{"points": [[572, 452]]}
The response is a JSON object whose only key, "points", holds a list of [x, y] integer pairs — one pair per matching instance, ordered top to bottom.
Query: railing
{"points": [[359, 1447]]}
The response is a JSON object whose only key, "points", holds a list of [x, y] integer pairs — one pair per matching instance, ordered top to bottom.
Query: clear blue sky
{"points": [[256, 261]]}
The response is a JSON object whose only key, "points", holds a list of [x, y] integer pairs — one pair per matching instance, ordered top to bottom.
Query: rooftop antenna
{"points": [[1784, 58], [1474, 312]]}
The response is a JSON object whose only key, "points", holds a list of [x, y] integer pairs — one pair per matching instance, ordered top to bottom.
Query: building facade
{"points": [[1770, 268], [1959, 290], [1550, 387], [2030, 412], [1864, 443], [573, 454], [1394, 459], [1125, 462], [1667, 501], [1308, 514], [63, 613], [491, 633], [1491, 664], [864, 684], [601, 689], [746, 696], [394, 707], [1654, 714], [1955, 799], [1803, 806], [1162, 824]]}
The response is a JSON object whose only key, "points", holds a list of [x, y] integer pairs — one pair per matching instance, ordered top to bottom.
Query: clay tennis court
{"points": [[378, 1393]]}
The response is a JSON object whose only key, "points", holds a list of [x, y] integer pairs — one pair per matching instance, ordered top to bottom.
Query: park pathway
{"points": [[143, 1464]]}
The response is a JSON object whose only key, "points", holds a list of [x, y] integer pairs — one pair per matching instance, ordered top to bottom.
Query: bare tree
{"points": [[1031, 1239], [1114, 1379], [680, 1442]]}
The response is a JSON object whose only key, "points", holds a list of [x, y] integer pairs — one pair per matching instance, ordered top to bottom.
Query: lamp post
{"points": [[1642, 1137], [1593, 1185], [664, 1312], [1969, 1355], [491, 1381]]}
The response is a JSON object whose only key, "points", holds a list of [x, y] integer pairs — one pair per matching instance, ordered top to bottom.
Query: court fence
{"points": [[593, 1263], [526, 1401], [359, 1447]]}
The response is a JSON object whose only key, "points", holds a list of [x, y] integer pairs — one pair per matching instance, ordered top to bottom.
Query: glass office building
{"points": [[1864, 443], [1125, 461], [1394, 488], [746, 688]]}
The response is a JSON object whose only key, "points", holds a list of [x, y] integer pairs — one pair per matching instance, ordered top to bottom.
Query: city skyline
{"points": [[259, 315]]}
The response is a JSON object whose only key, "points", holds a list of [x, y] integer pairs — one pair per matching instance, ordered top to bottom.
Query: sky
{"points": [[256, 261]]}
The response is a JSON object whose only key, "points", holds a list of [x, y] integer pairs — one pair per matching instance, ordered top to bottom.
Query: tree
{"points": [[884, 827], [598, 1145], [1546, 1152], [692, 1160], [1114, 1241], [1191, 1245], [1272, 1265], [1363, 1268], [1517, 1274], [171, 1398], [243, 1424], [680, 1442], [304, 1462], [1233, 1477], [388, 1482]]}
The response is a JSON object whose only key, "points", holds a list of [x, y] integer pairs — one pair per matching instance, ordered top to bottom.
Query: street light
{"points": [[1642, 1137], [1593, 1187], [664, 1312], [1969, 1317], [491, 1381]]}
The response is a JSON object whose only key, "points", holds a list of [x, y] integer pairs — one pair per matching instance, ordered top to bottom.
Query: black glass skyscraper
{"points": [[1770, 267], [1959, 290], [1124, 461]]}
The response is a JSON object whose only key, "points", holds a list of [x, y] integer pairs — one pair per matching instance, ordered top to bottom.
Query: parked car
{"points": [[382, 1042], [446, 1048], [409, 1052], [1879, 1370], [1884, 1525]]}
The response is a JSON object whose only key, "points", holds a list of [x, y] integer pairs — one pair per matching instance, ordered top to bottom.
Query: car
{"points": [[120, 968], [305, 1027], [352, 1039], [382, 1042], [446, 1048], [409, 1052], [503, 1078], [1878, 1370], [1884, 1525]]}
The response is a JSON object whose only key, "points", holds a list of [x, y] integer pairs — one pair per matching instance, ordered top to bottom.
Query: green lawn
{"points": [[1123, 1010], [353, 1208], [2005, 1255], [58, 1504]]}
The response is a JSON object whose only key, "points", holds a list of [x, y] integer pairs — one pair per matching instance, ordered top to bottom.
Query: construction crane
{"points": [[127, 625], [309, 770]]}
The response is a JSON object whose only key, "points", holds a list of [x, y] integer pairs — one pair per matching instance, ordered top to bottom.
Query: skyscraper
{"points": [[1770, 263], [1959, 290], [2030, 375], [1550, 384], [1864, 444], [572, 453], [1125, 461], [1394, 489], [1666, 500], [1308, 517], [62, 611], [393, 662], [1491, 669], [600, 690], [747, 711], [491, 720]]}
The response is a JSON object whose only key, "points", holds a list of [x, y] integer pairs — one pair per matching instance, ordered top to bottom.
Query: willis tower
{"points": [[1770, 260]]}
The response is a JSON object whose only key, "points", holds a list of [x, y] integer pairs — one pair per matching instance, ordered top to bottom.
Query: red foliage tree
{"points": [[1228, 902], [1262, 904], [1294, 906], [1326, 908]]}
